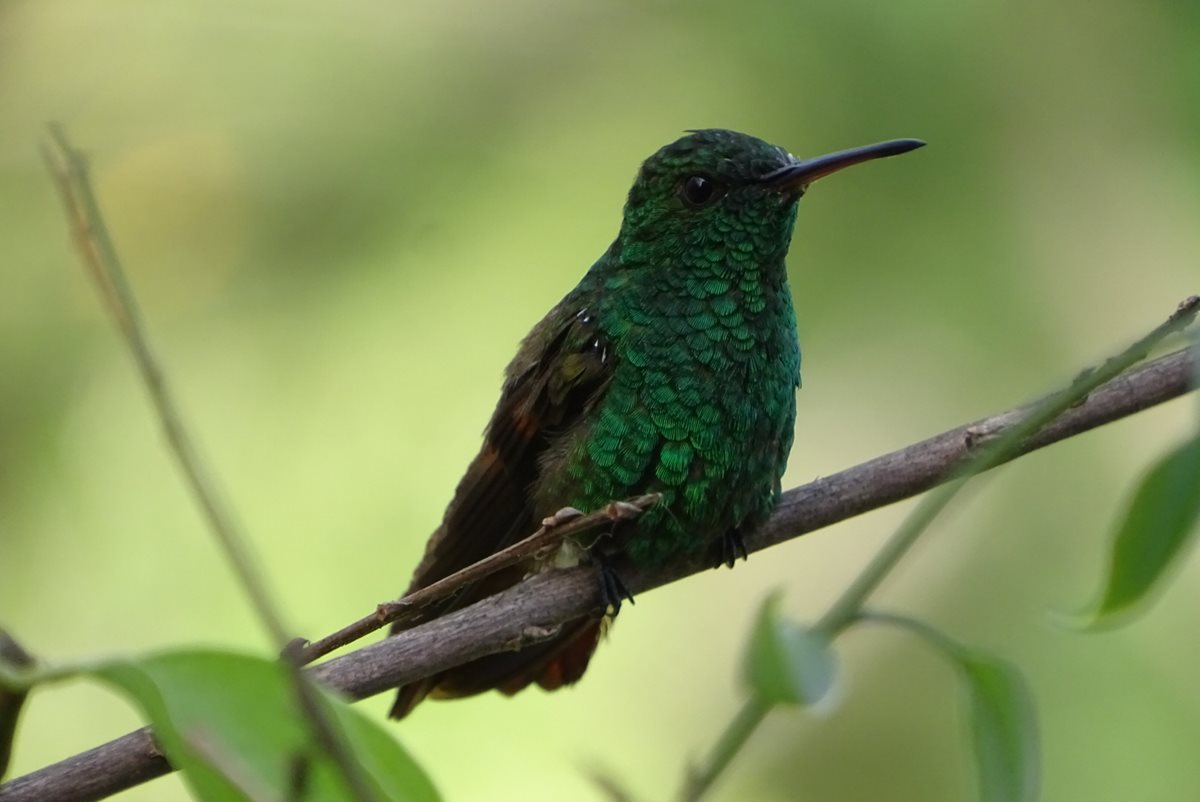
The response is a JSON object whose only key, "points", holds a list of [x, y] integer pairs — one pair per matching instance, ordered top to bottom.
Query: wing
{"points": [[560, 370]]}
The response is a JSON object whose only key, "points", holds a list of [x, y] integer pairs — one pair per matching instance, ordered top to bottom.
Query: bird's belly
{"points": [[715, 452]]}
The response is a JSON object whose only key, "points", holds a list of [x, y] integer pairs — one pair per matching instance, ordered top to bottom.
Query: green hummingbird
{"points": [[672, 367]]}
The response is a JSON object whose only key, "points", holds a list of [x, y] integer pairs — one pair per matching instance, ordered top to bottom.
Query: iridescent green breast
{"points": [[700, 406]]}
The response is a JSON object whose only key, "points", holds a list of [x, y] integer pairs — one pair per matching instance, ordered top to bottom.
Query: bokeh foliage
{"points": [[341, 217]]}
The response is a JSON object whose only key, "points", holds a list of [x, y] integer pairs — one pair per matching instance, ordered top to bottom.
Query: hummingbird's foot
{"points": [[732, 547], [612, 589]]}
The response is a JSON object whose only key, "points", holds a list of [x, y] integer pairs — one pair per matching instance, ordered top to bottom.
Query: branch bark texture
{"points": [[534, 610]]}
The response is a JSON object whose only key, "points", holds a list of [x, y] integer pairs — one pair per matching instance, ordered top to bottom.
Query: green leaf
{"points": [[1160, 522], [785, 663], [1002, 717], [230, 723], [1003, 724], [384, 759]]}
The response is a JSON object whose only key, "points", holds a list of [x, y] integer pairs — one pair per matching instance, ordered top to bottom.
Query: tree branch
{"points": [[567, 522], [535, 609]]}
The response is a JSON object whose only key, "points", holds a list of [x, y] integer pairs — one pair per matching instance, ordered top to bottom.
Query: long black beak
{"points": [[798, 176]]}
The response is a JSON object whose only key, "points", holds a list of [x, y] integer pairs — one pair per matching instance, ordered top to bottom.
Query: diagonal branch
{"points": [[69, 170], [567, 522], [533, 610]]}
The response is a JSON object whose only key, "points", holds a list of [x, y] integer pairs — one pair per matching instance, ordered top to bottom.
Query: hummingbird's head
{"points": [[717, 195]]}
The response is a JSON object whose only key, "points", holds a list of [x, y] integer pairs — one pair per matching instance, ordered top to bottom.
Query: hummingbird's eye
{"points": [[699, 190]]}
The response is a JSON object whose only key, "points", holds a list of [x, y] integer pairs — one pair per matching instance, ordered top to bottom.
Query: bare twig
{"points": [[69, 170], [565, 523], [522, 614]]}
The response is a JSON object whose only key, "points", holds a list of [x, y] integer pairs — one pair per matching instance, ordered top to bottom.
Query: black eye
{"points": [[699, 190]]}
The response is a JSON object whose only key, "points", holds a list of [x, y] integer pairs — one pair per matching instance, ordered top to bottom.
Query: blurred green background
{"points": [[341, 217]]}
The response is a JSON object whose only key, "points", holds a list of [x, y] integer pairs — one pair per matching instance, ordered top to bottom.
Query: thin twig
{"points": [[69, 170], [994, 449], [407, 610], [520, 614], [930, 633], [739, 729]]}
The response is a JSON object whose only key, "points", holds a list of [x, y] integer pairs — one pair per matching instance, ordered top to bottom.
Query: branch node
{"points": [[984, 432], [622, 511], [561, 517], [534, 633], [293, 652]]}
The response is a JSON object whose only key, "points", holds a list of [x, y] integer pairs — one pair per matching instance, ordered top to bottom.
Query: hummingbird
{"points": [[671, 368]]}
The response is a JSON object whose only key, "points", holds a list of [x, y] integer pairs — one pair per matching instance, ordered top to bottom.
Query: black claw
{"points": [[740, 543], [732, 547], [611, 586]]}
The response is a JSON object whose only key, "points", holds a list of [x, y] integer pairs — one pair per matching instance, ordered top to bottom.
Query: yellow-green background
{"points": [[340, 218]]}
